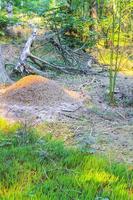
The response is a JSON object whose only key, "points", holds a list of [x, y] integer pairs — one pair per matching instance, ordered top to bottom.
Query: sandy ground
{"points": [[93, 124], [101, 127]]}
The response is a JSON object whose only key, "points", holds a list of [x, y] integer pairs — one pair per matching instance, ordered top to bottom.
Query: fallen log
{"points": [[47, 64], [23, 66], [32, 70]]}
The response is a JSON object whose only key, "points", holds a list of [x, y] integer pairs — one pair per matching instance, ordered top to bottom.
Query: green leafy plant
{"points": [[73, 17], [5, 22]]}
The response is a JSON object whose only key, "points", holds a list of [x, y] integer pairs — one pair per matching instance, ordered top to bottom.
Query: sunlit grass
{"points": [[28, 17], [125, 64], [6, 127], [39, 167], [98, 176]]}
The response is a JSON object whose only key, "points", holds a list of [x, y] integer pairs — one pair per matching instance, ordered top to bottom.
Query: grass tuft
{"points": [[35, 167]]}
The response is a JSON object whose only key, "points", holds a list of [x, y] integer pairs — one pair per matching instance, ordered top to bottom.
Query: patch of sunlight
{"points": [[32, 18], [37, 19], [20, 30], [4, 39], [123, 43], [125, 64], [126, 72], [27, 81], [73, 94], [6, 126], [58, 130], [101, 177], [16, 188], [121, 189]]}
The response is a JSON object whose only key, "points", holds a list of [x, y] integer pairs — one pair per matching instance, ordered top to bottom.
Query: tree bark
{"points": [[9, 8], [21, 65], [4, 78]]}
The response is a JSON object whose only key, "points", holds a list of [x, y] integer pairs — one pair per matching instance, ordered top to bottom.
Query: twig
{"points": [[71, 110]]}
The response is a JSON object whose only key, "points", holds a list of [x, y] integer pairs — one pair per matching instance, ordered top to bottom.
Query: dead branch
{"points": [[66, 53], [47, 64], [51, 66], [32, 70]]}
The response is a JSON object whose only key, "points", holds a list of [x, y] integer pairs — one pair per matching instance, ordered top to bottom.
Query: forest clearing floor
{"points": [[88, 122], [101, 127]]}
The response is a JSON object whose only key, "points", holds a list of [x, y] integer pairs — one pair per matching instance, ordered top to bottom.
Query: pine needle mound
{"points": [[38, 91]]}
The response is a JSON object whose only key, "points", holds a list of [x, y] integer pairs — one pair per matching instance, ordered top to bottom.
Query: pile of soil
{"points": [[35, 90]]}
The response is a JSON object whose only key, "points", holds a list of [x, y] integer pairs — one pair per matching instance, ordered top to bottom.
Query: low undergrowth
{"points": [[33, 166]]}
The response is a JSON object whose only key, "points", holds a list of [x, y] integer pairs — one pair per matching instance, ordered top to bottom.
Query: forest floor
{"points": [[91, 124], [104, 128]]}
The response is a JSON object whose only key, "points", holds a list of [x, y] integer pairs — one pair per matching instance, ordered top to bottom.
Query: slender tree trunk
{"points": [[101, 5], [9, 8], [93, 13], [4, 78]]}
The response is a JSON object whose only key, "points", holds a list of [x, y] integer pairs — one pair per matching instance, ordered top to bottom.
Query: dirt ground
{"points": [[91, 124], [101, 127]]}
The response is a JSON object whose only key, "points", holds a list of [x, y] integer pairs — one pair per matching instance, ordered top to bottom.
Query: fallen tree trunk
{"points": [[47, 64], [23, 66], [50, 66], [32, 70], [4, 78]]}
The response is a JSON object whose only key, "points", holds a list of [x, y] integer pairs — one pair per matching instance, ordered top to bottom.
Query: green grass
{"points": [[36, 167]]}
